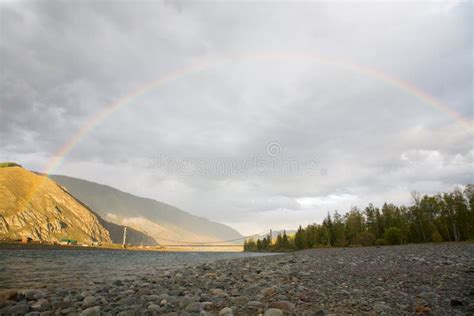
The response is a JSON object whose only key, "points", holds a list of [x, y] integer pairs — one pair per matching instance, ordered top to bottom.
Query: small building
{"points": [[67, 242]]}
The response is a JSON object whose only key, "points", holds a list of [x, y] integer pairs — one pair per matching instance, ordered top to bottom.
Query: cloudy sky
{"points": [[262, 115]]}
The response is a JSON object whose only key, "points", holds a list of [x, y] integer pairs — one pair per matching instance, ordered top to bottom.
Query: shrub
{"points": [[9, 164], [393, 236], [436, 237], [365, 239], [380, 242]]}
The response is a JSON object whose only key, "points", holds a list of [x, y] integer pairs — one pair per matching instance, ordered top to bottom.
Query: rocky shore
{"points": [[436, 279]]}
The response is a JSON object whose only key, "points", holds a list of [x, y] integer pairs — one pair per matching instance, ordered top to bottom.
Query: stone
{"points": [[117, 283], [62, 292], [177, 292], [219, 292], [268, 292], [30, 294], [163, 296], [185, 300], [239, 300], [89, 301], [254, 304], [41, 305], [61, 305], [207, 305], [284, 305], [194, 307], [380, 307], [154, 308], [20, 309], [68, 310], [91, 311], [226, 311], [129, 312], [273, 312], [33, 314]]}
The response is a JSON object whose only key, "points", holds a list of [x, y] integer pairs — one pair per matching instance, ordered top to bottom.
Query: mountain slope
{"points": [[35, 206], [162, 221], [134, 237]]}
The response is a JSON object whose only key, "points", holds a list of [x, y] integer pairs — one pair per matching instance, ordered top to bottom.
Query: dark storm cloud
{"points": [[61, 63]]}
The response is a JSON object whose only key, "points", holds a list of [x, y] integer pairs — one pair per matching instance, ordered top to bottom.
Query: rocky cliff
{"points": [[35, 206]]}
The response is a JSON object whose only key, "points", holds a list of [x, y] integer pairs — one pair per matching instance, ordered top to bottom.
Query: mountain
{"points": [[34, 206], [166, 223], [134, 236]]}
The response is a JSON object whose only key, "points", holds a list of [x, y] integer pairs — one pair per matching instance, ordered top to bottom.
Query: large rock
{"points": [[239, 300], [89, 301], [41, 305], [284, 305], [19, 309], [91, 311], [226, 311], [273, 312]]}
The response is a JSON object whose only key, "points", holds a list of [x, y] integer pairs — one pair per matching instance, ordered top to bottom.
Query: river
{"points": [[30, 268]]}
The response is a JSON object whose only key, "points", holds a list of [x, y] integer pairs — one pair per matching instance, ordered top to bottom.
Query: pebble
{"points": [[384, 280], [117, 283], [31, 294], [239, 300], [89, 301], [255, 304], [41, 305], [61, 305], [284, 305], [193, 307], [154, 308], [20, 309], [91, 311], [226, 311], [273, 312]]}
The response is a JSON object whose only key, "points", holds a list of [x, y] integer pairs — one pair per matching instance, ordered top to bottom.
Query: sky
{"points": [[255, 114]]}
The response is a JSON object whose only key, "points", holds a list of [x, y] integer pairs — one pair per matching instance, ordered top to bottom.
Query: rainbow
{"points": [[101, 115]]}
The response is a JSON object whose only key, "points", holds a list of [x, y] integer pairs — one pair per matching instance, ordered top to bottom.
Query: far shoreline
{"points": [[7, 245]]}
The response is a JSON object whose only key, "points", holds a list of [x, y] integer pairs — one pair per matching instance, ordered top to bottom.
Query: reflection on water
{"points": [[30, 268]]}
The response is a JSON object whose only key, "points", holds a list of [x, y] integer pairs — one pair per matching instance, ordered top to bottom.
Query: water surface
{"points": [[29, 268]]}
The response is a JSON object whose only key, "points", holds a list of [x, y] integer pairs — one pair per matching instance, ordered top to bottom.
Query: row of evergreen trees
{"points": [[442, 217]]}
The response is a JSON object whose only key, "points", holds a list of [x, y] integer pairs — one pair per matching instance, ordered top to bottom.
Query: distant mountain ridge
{"points": [[165, 223]]}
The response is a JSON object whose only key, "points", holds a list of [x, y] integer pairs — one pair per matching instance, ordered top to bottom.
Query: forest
{"points": [[442, 217]]}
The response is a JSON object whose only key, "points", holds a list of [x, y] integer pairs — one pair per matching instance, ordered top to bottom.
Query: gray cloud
{"points": [[62, 63]]}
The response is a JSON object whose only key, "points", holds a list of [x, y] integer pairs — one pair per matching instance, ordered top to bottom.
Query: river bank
{"points": [[116, 247], [425, 278]]}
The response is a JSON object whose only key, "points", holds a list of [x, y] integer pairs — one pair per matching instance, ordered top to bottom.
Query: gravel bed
{"points": [[428, 279]]}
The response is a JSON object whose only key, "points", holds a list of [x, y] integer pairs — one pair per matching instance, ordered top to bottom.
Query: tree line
{"points": [[445, 216]]}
